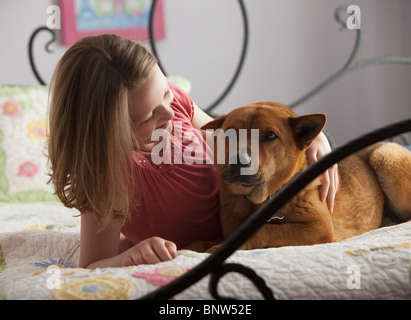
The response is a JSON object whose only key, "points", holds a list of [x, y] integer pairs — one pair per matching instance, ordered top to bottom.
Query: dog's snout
{"points": [[241, 160], [234, 172]]}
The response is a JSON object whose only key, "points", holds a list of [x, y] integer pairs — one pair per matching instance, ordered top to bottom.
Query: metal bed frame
{"points": [[215, 265]]}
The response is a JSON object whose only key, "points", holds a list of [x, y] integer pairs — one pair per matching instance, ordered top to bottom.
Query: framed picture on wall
{"points": [[128, 18]]}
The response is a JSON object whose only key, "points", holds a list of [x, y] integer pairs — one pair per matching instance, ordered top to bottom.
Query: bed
{"points": [[40, 239]]}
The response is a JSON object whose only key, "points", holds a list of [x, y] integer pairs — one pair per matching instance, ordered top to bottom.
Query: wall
{"points": [[294, 45]]}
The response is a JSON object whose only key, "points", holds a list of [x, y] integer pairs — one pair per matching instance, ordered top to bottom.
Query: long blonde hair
{"points": [[91, 138]]}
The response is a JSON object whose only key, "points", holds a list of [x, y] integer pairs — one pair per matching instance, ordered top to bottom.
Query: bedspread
{"points": [[40, 244]]}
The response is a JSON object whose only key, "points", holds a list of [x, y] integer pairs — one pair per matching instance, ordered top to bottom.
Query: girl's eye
{"points": [[149, 119], [269, 136]]}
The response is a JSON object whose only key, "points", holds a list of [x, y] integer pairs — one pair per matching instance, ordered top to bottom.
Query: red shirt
{"points": [[179, 199]]}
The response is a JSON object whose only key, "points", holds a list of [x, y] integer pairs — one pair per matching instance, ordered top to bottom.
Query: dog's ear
{"points": [[215, 124], [307, 128]]}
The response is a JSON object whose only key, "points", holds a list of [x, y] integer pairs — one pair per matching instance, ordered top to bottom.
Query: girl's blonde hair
{"points": [[91, 136]]}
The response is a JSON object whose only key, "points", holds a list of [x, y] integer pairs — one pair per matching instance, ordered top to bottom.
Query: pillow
{"points": [[23, 134]]}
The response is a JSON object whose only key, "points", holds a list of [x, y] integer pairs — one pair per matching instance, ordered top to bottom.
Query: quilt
{"points": [[40, 244]]}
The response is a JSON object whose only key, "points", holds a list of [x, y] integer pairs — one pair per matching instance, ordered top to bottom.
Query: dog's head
{"points": [[261, 146]]}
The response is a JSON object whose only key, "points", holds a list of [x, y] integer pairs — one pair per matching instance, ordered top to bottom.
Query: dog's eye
{"points": [[269, 136]]}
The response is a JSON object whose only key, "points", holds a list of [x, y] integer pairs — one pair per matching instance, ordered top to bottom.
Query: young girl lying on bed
{"points": [[108, 95]]}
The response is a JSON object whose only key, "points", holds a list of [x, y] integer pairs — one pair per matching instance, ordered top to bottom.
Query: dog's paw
{"points": [[213, 248]]}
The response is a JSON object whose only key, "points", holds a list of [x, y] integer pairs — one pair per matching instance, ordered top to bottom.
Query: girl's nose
{"points": [[166, 113]]}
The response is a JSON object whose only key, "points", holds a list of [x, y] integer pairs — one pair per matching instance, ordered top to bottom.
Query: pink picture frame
{"points": [[128, 18]]}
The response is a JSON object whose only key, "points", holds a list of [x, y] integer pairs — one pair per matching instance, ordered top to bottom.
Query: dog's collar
{"points": [[275, 218]]}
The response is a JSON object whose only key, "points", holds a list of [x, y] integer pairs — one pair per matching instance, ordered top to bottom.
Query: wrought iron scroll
{"points": [[30, 50], [240, 62], [351, 64], [247, 272]]}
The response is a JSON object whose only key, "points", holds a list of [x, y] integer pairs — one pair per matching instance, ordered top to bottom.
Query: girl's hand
{"points": [[319, 148], [150, 251]]}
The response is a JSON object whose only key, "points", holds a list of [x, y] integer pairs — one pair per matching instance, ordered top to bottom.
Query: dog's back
{"points": [[375, 189], [359, 201]]}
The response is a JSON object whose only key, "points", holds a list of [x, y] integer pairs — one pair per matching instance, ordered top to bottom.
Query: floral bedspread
{"points": [[40, 244]]}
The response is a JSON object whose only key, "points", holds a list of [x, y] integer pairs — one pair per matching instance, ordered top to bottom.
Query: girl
{"points": [[108, 96]]}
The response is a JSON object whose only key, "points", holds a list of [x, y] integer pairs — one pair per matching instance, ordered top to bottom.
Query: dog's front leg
{"points": [[234, 210], [291, 234]]}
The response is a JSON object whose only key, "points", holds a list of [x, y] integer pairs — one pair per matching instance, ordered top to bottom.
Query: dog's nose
{"points": [[241, 160]]}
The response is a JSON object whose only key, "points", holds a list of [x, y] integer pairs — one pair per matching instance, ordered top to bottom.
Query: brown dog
{"points": [[368, 178]]}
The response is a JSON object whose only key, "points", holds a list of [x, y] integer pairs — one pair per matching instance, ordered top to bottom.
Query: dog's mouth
{"points": [[246, 181]]}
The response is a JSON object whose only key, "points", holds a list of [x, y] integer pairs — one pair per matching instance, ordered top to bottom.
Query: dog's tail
{"points": [[392, 165]]}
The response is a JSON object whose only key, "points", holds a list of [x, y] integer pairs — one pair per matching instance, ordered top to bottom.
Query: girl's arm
{"points": [[201, 118], [98, 248], [101, 248]]}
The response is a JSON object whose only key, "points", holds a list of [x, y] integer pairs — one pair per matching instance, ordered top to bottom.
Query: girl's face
{"points": [[150, 108]]}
